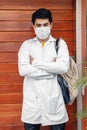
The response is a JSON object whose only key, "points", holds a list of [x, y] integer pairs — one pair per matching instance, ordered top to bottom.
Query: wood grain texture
{"points": [[27, 5], [22, 15], [27, 26], [15, 27], [21, 36], [9, 46], [13, 47], [84, 56], [8, 57], [8, 68], [10, 78], [11, 87], [10, 98], [10, 109], [10, 119], [84, 123], [11, 127], [19, 127]]}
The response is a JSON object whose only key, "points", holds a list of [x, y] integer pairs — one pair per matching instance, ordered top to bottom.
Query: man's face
{"points": [[42, 23]]}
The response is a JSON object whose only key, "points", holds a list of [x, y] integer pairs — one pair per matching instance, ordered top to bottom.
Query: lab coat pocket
{"points": [[32, 103], [52, 105]]}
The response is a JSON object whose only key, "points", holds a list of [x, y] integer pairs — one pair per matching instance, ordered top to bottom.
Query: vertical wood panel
{"points": [[15, 27], [84, 55]]}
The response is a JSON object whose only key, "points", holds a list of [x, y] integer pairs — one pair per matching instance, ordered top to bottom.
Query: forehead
{"points": [[41, 21]]}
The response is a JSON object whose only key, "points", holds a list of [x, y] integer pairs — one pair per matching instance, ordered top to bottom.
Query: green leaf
{"points": [[82, 113]]}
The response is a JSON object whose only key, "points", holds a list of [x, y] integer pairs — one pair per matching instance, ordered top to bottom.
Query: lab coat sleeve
{"points": [[62, 61], [26, 69]]}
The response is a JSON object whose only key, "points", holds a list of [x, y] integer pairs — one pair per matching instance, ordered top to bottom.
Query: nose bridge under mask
{"points": [[42, 32]]}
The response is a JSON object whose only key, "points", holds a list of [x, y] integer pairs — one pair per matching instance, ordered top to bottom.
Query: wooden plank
{"points": [[28, 5], [26, 15], [63, 15], [64, 25], [27, 26], [15, 27], [67, 35], [15, 36], [21, 36], [9, 46], [14, 46], [71, 47], [72, 53], [8, 57], [12, 58], [13, 67], [8, 68], [10, 78], [11, 87], [11, 98], [85, 98], [71, 108], [10, 109], [72, 116], [10, 119], [14, 119], [72, 121], [84, 123], [71, 124], [11, 127], [20, 127], [42, 128]]}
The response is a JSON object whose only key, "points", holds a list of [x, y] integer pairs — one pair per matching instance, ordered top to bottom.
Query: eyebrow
{"points": [[42, 24]]}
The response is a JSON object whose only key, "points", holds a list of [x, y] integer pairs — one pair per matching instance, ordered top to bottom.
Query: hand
{"points": [[31, 59], [54, 59]]}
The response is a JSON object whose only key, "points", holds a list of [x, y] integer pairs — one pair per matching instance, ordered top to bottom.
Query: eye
{"points": [[46, 24], [38, 25]]}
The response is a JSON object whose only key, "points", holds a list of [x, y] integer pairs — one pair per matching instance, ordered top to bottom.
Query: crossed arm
{"points": [[26, 68], [33, 68]]}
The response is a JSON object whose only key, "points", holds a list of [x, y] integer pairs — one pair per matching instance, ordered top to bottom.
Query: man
{"points": [[37, 61]]}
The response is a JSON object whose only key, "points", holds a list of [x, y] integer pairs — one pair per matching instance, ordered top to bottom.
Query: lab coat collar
{"points": [[51, 39]]}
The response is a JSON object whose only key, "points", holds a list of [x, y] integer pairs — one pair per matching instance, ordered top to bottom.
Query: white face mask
{"points": [[42, 32]]}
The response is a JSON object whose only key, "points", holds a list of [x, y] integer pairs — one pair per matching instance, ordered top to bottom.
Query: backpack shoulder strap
{"points": [[56, 45]]}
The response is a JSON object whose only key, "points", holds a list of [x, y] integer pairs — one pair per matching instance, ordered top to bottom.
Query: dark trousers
{"points": [[37, 126]]}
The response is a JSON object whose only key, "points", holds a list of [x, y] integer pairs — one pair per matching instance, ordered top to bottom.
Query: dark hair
{"points": [[42, 13]]}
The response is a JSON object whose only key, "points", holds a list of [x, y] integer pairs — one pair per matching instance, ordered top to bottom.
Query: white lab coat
{"points": [[42, 99]]}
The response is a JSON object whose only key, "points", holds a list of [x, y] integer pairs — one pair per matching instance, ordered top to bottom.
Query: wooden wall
{"points": [[15, 27], [84, 55]]}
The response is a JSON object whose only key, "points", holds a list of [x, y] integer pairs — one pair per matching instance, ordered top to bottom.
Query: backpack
{"points": [[71, 77]]}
